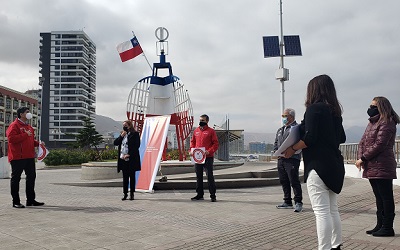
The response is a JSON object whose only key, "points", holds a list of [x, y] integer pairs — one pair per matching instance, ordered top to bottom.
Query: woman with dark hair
{"points": [[321, 134], [128, 157], [376, 157]]}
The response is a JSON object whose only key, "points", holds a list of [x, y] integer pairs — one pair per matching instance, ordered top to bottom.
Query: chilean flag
{"points": [[129, 49]]}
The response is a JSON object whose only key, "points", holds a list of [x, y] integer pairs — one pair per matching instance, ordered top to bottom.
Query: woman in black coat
{"points": [[322, 132], [128, 157]]}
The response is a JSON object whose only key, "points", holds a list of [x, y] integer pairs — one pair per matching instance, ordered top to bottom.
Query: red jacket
{"points": [[205, 137], [20, 144]]}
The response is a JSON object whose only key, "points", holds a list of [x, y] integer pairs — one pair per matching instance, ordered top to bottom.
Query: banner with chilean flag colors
{"points": [[129, 49], [154, 134]]}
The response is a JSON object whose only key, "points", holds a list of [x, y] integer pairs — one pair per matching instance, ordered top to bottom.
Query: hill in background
{"points": [[105, 125]]}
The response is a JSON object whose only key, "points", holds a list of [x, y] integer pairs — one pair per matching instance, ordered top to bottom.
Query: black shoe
{"points": [[125, 196], [132, 196], [197, 198], [213, 199], [34, 203], [18, 205], [373, 230], [384, 232]]}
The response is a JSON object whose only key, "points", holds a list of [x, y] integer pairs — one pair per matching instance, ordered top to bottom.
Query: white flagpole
{"points": [[144, 54]]}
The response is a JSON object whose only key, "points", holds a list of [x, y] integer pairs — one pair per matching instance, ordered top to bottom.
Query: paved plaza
{"points": [[77, 217]]}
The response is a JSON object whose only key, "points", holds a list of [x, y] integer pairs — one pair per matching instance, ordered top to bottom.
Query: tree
{"points": [[88, 137]]}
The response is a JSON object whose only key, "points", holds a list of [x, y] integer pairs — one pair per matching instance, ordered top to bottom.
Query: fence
{"points": [[349, 151]]}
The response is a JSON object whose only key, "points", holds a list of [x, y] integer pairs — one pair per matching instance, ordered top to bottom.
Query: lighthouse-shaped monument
{"points": [[162, 93]]}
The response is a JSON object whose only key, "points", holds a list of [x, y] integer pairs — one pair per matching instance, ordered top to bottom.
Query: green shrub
{"points": [[109, 154], [174, 155], [58, 157]]}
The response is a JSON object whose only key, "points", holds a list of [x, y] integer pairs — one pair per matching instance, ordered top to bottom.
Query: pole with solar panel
{"points": [[281, 46]]}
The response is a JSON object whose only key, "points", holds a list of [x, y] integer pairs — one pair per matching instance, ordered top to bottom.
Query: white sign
{"points": [[293, 138], [198, 155]]}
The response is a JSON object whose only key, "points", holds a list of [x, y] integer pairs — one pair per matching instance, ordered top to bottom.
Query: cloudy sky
{"points": [[216, 49]]}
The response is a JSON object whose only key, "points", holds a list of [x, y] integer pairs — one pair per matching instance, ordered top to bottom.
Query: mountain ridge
{"points": [[105, 125]]}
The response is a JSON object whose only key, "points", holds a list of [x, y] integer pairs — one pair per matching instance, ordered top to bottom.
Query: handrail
{"points": [[349, 151]]}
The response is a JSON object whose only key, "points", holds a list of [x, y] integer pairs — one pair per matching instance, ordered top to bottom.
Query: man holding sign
{"points": [[203, 145]]}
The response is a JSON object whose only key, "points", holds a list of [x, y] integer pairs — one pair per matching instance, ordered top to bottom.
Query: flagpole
{"points": [[144, 54], [41, 105]]}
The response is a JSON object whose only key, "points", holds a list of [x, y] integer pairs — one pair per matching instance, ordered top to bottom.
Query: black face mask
{"points": [[372, 111], [202, 124], [125, 129]]}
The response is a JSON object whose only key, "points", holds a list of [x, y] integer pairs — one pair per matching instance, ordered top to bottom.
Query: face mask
{"points": [[373, 111], [28, 116], [284, 120], [202, 124], [125, 129]]}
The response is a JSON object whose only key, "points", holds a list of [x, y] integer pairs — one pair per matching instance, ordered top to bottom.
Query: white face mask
{"points": [[28, 116]]}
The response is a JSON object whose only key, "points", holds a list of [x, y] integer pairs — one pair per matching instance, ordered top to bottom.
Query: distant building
{"points": [[68, 79], [10, 101], [172, 141], [237, 146], [257, 147]]}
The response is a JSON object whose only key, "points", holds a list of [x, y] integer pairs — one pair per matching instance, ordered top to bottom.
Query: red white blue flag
{"points": [[129, 49]]}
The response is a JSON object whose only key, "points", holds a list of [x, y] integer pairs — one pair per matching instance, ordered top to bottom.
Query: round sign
{"points": [[162, 34], [198, 155]]}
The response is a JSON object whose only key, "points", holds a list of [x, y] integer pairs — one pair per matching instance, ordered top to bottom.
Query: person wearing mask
{"points": [[321, 134], [204, 136], [128, 144], [21, 155], [376, 157], [288, 168]]}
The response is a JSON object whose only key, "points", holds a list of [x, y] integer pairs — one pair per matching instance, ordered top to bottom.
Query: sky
{"points": [[216, 49]]}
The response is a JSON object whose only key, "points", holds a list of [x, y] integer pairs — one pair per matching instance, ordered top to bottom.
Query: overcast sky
{"points": [[215, 48]]}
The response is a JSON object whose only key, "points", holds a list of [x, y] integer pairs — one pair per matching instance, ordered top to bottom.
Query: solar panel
{"points": [[292, 45], [271, 46]]}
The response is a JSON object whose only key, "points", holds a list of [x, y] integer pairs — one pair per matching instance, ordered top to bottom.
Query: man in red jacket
{"points": [[204, 136], [21, 155]]}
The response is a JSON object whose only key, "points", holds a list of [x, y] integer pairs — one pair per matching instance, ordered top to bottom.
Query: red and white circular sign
{"points": [[199, 155]]}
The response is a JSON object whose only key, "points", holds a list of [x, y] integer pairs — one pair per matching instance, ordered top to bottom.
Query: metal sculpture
{"points": [[162, 95]]}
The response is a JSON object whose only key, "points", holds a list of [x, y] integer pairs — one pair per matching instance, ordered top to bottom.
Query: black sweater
{"points": [[323, 132]]}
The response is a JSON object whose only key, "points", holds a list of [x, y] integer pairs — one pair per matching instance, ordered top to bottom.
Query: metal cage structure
{"points": [[154, 96]]}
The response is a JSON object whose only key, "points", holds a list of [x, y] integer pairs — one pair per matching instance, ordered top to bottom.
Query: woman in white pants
{"points": [[321, 134]]}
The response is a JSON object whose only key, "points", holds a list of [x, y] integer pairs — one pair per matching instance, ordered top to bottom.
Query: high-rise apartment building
{"points": [[68, 80]]}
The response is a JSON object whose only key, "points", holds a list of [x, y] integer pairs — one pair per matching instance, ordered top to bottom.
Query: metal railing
{"points": [[349, 151]]}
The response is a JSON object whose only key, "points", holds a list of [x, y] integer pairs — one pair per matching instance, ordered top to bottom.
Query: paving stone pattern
{"points": [[95, 218]]}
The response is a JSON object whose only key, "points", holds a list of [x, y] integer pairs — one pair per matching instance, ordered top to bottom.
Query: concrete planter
{"points": [[100, 171]]}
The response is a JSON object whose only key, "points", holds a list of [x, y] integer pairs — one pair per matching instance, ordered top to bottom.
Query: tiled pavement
{"points": [[77, 217]]}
